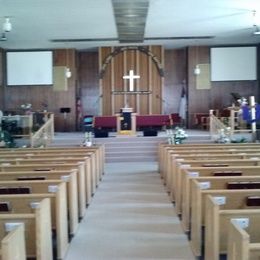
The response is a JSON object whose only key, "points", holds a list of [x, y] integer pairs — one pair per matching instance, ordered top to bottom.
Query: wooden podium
{"points": [[126, 121]]}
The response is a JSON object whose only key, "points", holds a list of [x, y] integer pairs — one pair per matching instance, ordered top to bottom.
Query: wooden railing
{"points": [[237, 124], [216, 126], [45, 134]]}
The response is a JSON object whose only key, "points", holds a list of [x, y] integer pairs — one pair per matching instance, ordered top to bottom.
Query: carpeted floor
{"points": [[130, 217]]}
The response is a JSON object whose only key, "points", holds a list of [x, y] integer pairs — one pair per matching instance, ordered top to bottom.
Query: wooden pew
{"points": [[164, 147], [193, 148], [98, 150], [47, 160], [171, 160], [220, 160], [227, 162], [181, 165], [53, 167], [95, 167], [91, 174], [186, 174], [69, 177], [202, 187], [57, 192], [58, 201], [21, 204], [218, 218], [37, 224], [244, 241], [13, 244]]}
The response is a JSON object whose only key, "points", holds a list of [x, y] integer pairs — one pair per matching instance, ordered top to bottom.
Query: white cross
{"points": [[131, 78]]}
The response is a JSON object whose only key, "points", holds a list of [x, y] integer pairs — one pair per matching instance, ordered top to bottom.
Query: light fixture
{"points": [[255, 22], [7, 26], [256, 31], [3, 37], [197, 68], [68, 71]]}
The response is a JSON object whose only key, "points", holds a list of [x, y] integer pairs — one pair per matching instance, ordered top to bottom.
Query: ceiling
{"points": [[88, 24]]}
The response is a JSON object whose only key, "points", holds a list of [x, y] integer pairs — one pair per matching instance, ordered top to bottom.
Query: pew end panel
{"points": [[21, 204], [217, 224], [37, 230], [13, 244]]}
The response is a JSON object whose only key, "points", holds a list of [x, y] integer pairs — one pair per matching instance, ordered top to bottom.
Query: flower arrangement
{"points": [[242, 101], [44, 106], [27, 108], [177, 136], [223, 136]]}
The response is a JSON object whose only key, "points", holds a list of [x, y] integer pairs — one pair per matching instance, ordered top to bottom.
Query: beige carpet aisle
{"points": [[130, 217]]}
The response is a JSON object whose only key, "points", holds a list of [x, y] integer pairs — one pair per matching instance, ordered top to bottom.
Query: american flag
{"points": [[183, 103]]}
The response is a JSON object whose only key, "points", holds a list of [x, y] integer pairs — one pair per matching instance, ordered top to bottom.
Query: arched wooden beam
{"points": [[139, 48]]}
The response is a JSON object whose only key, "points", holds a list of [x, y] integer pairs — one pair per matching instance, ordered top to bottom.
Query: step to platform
{"points": [[128, 148]]}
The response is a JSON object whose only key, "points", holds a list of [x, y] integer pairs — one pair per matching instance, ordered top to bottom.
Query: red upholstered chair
{"points": [[175, 119], [202, 120]]}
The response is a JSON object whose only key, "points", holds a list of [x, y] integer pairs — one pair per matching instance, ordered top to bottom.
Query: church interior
{"points": [[129, 122]]}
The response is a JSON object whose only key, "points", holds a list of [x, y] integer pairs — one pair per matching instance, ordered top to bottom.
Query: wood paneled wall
{"points": [[175, 79], [150, 80], [88, 83], [15, 96], [218, 97], [165, 98], [2, 100]]}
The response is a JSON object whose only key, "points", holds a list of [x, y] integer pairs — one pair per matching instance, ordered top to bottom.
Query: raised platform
{"points": [[124, 148]]}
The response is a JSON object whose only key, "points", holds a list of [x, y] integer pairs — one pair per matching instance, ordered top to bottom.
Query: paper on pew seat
{"points": [[220, 200], [242, 222], [9, 226]]}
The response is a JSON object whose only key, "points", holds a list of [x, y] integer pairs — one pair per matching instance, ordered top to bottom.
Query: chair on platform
{"points": [[175, 119], [88, 123]]}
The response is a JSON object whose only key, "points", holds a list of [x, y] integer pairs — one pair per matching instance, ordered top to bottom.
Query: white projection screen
{"points": [[233, 63], [29, 68]]}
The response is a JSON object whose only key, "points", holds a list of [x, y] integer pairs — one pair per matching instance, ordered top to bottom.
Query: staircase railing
{"points": [[216, 126], [45, 134]]}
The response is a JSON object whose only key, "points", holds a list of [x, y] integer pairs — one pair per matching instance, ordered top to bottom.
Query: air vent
{"points": [[130, 16]]}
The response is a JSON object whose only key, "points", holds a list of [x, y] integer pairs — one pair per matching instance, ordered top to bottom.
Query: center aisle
{"points": [[130, 217]]}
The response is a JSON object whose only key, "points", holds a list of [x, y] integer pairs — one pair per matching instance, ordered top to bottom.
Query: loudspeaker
{"points": [[65, 110], [150, 133], [100, 134]]}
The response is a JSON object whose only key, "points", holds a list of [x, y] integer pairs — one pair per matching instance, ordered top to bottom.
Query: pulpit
{"points": [[126, 121]]}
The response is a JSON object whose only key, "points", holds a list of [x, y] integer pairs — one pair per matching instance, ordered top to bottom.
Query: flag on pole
{"points": [[183, 104]]}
